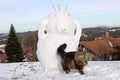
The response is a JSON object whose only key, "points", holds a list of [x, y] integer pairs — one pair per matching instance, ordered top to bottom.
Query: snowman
{"points": [[58, 28]]}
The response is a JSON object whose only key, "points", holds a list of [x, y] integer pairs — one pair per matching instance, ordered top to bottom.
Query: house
{"points": [[102, 49], [29, 54], [3, 57]]}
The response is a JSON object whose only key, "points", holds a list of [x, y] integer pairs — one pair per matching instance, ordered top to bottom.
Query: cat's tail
{"points": [[61, 50]]}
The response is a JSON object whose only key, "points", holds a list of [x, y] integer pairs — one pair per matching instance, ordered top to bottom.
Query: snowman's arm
{"points": [[42, 29], [78, 33]]}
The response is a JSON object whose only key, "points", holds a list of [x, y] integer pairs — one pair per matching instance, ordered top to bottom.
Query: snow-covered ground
{"points": [[95, 70]]}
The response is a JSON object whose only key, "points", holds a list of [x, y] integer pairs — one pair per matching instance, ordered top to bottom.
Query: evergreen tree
{"points": [[13, 47]]}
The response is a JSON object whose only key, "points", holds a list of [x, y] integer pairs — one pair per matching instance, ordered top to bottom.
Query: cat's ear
{"points": [[79, 49], [84, 50]]}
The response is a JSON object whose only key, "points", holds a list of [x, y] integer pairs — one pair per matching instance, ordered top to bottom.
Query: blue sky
{"points": [[27, 14]]}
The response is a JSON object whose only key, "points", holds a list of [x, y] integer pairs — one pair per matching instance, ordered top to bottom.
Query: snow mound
{"points": [[95, 70]]}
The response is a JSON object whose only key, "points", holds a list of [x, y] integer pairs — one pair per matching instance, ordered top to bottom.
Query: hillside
{"points": [[100, 29], [90, 34], [95, 70]]}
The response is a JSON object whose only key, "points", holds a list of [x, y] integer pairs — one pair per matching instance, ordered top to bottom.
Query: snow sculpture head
{"points": [[60, 22], [58, 28]]}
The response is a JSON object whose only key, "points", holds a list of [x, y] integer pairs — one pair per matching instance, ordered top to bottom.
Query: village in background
{"points": [[102, 43]]}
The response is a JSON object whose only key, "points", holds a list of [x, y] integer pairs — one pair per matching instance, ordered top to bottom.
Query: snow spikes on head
{"points": [[59, 7]]}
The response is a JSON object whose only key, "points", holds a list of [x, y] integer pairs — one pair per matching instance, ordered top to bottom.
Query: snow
{"points": [[58, 28], [3, 45], [95, 70]]}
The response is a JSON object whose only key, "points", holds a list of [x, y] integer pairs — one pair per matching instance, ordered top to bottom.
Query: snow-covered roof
{"points": [[3, 45]]}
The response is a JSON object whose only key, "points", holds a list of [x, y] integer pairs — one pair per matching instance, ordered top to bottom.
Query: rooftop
{"points": [[102, 46]]}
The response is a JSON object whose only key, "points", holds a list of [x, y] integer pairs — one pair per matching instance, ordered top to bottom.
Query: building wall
{"points": [[30, 56], [90, 56], [93, 57], [3, 58], [0, 60]]}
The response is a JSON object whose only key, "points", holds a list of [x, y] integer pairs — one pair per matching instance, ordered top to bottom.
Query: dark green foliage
{"points": [[13, 48]]}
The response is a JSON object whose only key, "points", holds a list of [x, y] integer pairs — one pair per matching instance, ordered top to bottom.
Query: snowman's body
{"points": [[58, 28]]}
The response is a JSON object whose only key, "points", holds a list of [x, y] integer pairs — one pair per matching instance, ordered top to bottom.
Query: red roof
{"points": [[115, 42], [104, 46], [27, 49], [3, 57]]}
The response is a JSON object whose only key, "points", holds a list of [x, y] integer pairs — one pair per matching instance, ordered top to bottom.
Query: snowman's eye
{"points": [[68, 14], [45, 32], [75, 32]]}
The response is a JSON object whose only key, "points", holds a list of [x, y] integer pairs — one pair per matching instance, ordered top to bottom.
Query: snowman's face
{"points": [[62, 21]]}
